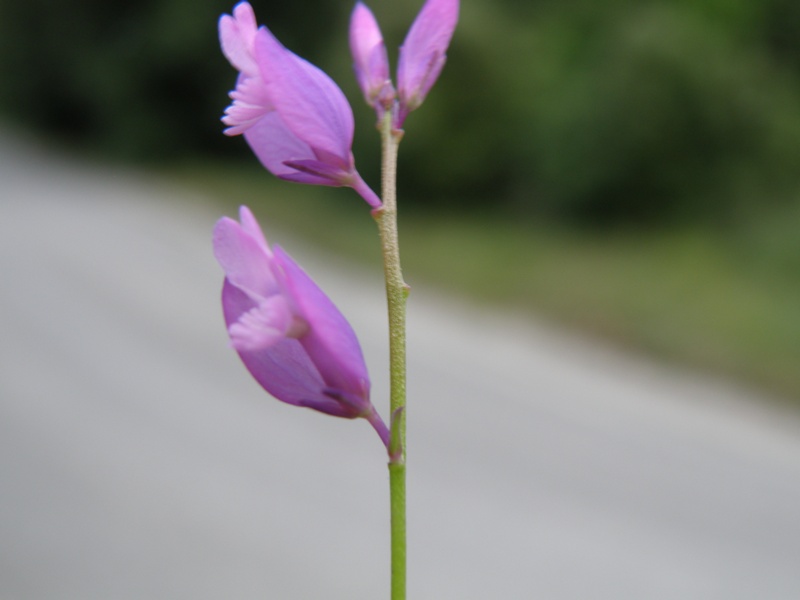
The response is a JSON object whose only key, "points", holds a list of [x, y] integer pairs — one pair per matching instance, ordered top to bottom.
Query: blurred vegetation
{"points": [[594, 113], [656, 138]]}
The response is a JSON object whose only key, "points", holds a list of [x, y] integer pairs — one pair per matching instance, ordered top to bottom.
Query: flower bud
{"points": [[423, 54], [370, 61]]}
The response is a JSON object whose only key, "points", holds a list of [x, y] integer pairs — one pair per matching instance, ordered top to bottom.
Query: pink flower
{"points": [[422, 56], [370, 60], [294, 117], [289, 335]]}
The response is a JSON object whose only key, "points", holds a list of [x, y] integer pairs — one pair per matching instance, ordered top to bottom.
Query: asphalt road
{"points": [[139, 461]]}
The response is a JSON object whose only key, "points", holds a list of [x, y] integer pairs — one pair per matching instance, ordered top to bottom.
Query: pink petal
{"points": [[237, 37], [250, 103], [311, 105], [274, 144], [289, 158], [251, 226], [244, 260], [262, 326], [330, 342]]}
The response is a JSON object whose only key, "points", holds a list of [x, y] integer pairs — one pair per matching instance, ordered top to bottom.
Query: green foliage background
{"points": [[599, 113]]}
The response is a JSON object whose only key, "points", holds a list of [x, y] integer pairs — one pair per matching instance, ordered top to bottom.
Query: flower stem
{"points": [[396, 294], [397, 491]]}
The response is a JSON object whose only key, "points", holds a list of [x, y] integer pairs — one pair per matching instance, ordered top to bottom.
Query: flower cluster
{"points": [[296, 119], [289, 335]]}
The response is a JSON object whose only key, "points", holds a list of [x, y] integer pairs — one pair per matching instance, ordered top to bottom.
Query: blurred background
{"points": [[633, 165], [599, 213]]}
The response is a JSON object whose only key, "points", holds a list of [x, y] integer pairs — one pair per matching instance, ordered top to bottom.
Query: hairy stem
{"points": [[396, 294]]}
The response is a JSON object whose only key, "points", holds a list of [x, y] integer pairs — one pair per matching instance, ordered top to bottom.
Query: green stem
{"points": [[396, 294], [397, 492]]}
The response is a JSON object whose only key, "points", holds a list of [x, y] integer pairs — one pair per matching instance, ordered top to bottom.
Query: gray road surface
{"points": [[139, 461]]}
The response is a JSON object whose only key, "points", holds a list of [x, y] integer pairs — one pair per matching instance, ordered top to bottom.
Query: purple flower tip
{"points": [[423, 54], [289, 111], [287, 332]]}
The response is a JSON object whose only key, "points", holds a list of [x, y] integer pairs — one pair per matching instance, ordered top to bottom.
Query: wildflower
{"points": [[294, 117], [289, 335]]}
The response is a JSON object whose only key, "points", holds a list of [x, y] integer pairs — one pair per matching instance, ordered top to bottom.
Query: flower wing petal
{"points": [[310, 104], [274, 144]]}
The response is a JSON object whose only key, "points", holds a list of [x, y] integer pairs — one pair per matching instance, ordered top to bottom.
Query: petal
{"points": [[237, 37], [422, 55], [250, 103], [311, 105], [274, 144], [281, 152], [251, 226], [244, 259], [263, 325], [331, 342]]}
